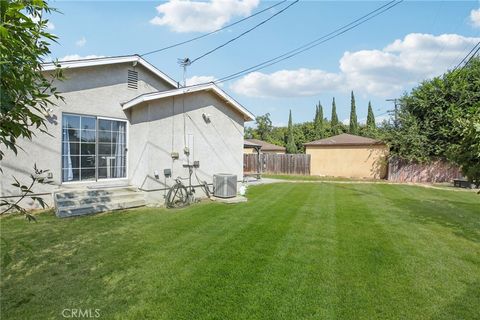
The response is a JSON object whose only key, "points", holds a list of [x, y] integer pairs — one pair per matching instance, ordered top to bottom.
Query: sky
{"points": [[378, 60]]}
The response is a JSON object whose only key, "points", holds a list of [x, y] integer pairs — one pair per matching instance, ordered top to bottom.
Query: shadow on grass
{"points": [[462, 217], [461, 306]]}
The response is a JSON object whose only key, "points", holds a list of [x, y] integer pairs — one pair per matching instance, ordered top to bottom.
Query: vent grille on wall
{"points": [[132, 79]]}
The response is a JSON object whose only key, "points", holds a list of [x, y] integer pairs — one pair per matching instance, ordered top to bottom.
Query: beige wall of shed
{"points": [[348, 161]]}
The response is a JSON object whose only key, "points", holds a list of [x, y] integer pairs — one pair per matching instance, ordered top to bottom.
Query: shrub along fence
{"points": [[277, 163], [400, 170]]}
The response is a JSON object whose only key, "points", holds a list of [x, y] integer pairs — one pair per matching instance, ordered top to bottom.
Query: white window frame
{"points": [[97, 180]]}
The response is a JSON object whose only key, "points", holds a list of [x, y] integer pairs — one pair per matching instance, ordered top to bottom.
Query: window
{"points": [[78, 148], [92, 148], [111, 149]]}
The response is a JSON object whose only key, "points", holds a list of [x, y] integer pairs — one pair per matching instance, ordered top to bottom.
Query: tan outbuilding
{"points": [[347, 155]]}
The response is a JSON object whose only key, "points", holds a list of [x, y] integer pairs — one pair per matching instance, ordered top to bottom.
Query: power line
{"points": [[212, 32], [244, 33], [313, 43], [310, 44], [468, 54], [473, 56]]}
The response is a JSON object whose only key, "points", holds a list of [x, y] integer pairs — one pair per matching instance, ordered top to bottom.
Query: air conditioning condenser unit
{"points": [[224, 185]]}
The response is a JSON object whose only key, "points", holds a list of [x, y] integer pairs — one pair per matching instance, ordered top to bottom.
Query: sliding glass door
{"points": [[92, 148], [111, 149]]}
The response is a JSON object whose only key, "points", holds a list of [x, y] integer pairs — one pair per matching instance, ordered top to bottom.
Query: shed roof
{"points": [[344, 139], [248, 144], [265, 146]]}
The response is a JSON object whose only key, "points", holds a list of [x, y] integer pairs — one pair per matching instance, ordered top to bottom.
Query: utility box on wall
{"points": [[224, 185]]}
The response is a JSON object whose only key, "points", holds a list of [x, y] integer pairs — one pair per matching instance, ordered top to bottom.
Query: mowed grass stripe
{"points": [[441, 247], [366, 258], [232, 270], [298, 280]]}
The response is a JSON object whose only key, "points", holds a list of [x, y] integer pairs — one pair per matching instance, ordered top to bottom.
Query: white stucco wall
{"points": [[94, 91], [157, 129]]}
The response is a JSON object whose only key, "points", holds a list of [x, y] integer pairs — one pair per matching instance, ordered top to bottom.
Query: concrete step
{"points": [[74, 193], [105, 198], [87, 201], [85, 209]]}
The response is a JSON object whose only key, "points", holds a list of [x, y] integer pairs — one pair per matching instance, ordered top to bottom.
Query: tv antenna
{"points": [[185, 62]]}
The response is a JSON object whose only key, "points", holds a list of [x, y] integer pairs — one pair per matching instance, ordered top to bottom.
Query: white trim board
{"points": [[248, 116]]}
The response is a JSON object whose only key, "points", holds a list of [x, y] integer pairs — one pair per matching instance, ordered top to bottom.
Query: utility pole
{"points": [[395, 115]]}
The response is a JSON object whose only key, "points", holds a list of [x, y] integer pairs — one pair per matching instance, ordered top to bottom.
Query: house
{"points": [[125, 124], [251, 146], [347, 155]]}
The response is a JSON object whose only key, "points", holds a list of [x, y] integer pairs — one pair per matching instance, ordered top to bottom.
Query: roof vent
{"points": [[132, 79]]}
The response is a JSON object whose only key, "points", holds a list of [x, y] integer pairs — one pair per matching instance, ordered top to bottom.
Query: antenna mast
{"points": [[185, 62]]}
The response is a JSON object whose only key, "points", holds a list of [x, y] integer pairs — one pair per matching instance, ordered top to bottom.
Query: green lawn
{"points": [[294, 177], [294, 251]]}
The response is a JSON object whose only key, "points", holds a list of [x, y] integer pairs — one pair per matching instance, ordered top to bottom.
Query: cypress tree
{"points": [[353, 116], [370, 117], [334, 118], [318, 121], [291, 147]]}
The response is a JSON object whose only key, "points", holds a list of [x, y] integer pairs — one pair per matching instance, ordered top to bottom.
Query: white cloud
{"points": [[196, 16], [475, 17], [50, 26], [81, 42], [79, 57], [403, 63], [387, 71], [199, 79], [285, 83]]}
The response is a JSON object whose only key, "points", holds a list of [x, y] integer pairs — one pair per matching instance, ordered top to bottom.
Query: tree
{"points": [[25, 92], [439, 103], [353, 116], [370, 117], [439, 120], [318, 122], [334, 124], [264, 126], [249, 133], [406, 141], [291, 147], [466, 153]]}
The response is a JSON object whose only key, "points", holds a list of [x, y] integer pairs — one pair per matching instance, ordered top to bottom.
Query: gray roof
{"points": [[344, 139], [248, 144], [265, 146]]}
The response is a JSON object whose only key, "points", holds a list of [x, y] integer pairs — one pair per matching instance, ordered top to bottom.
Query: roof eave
{"points": [[50, 66], [247, 115]]}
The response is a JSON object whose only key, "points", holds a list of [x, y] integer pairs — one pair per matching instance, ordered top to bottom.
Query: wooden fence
{"points": [[277, 163], [439, 171]]}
